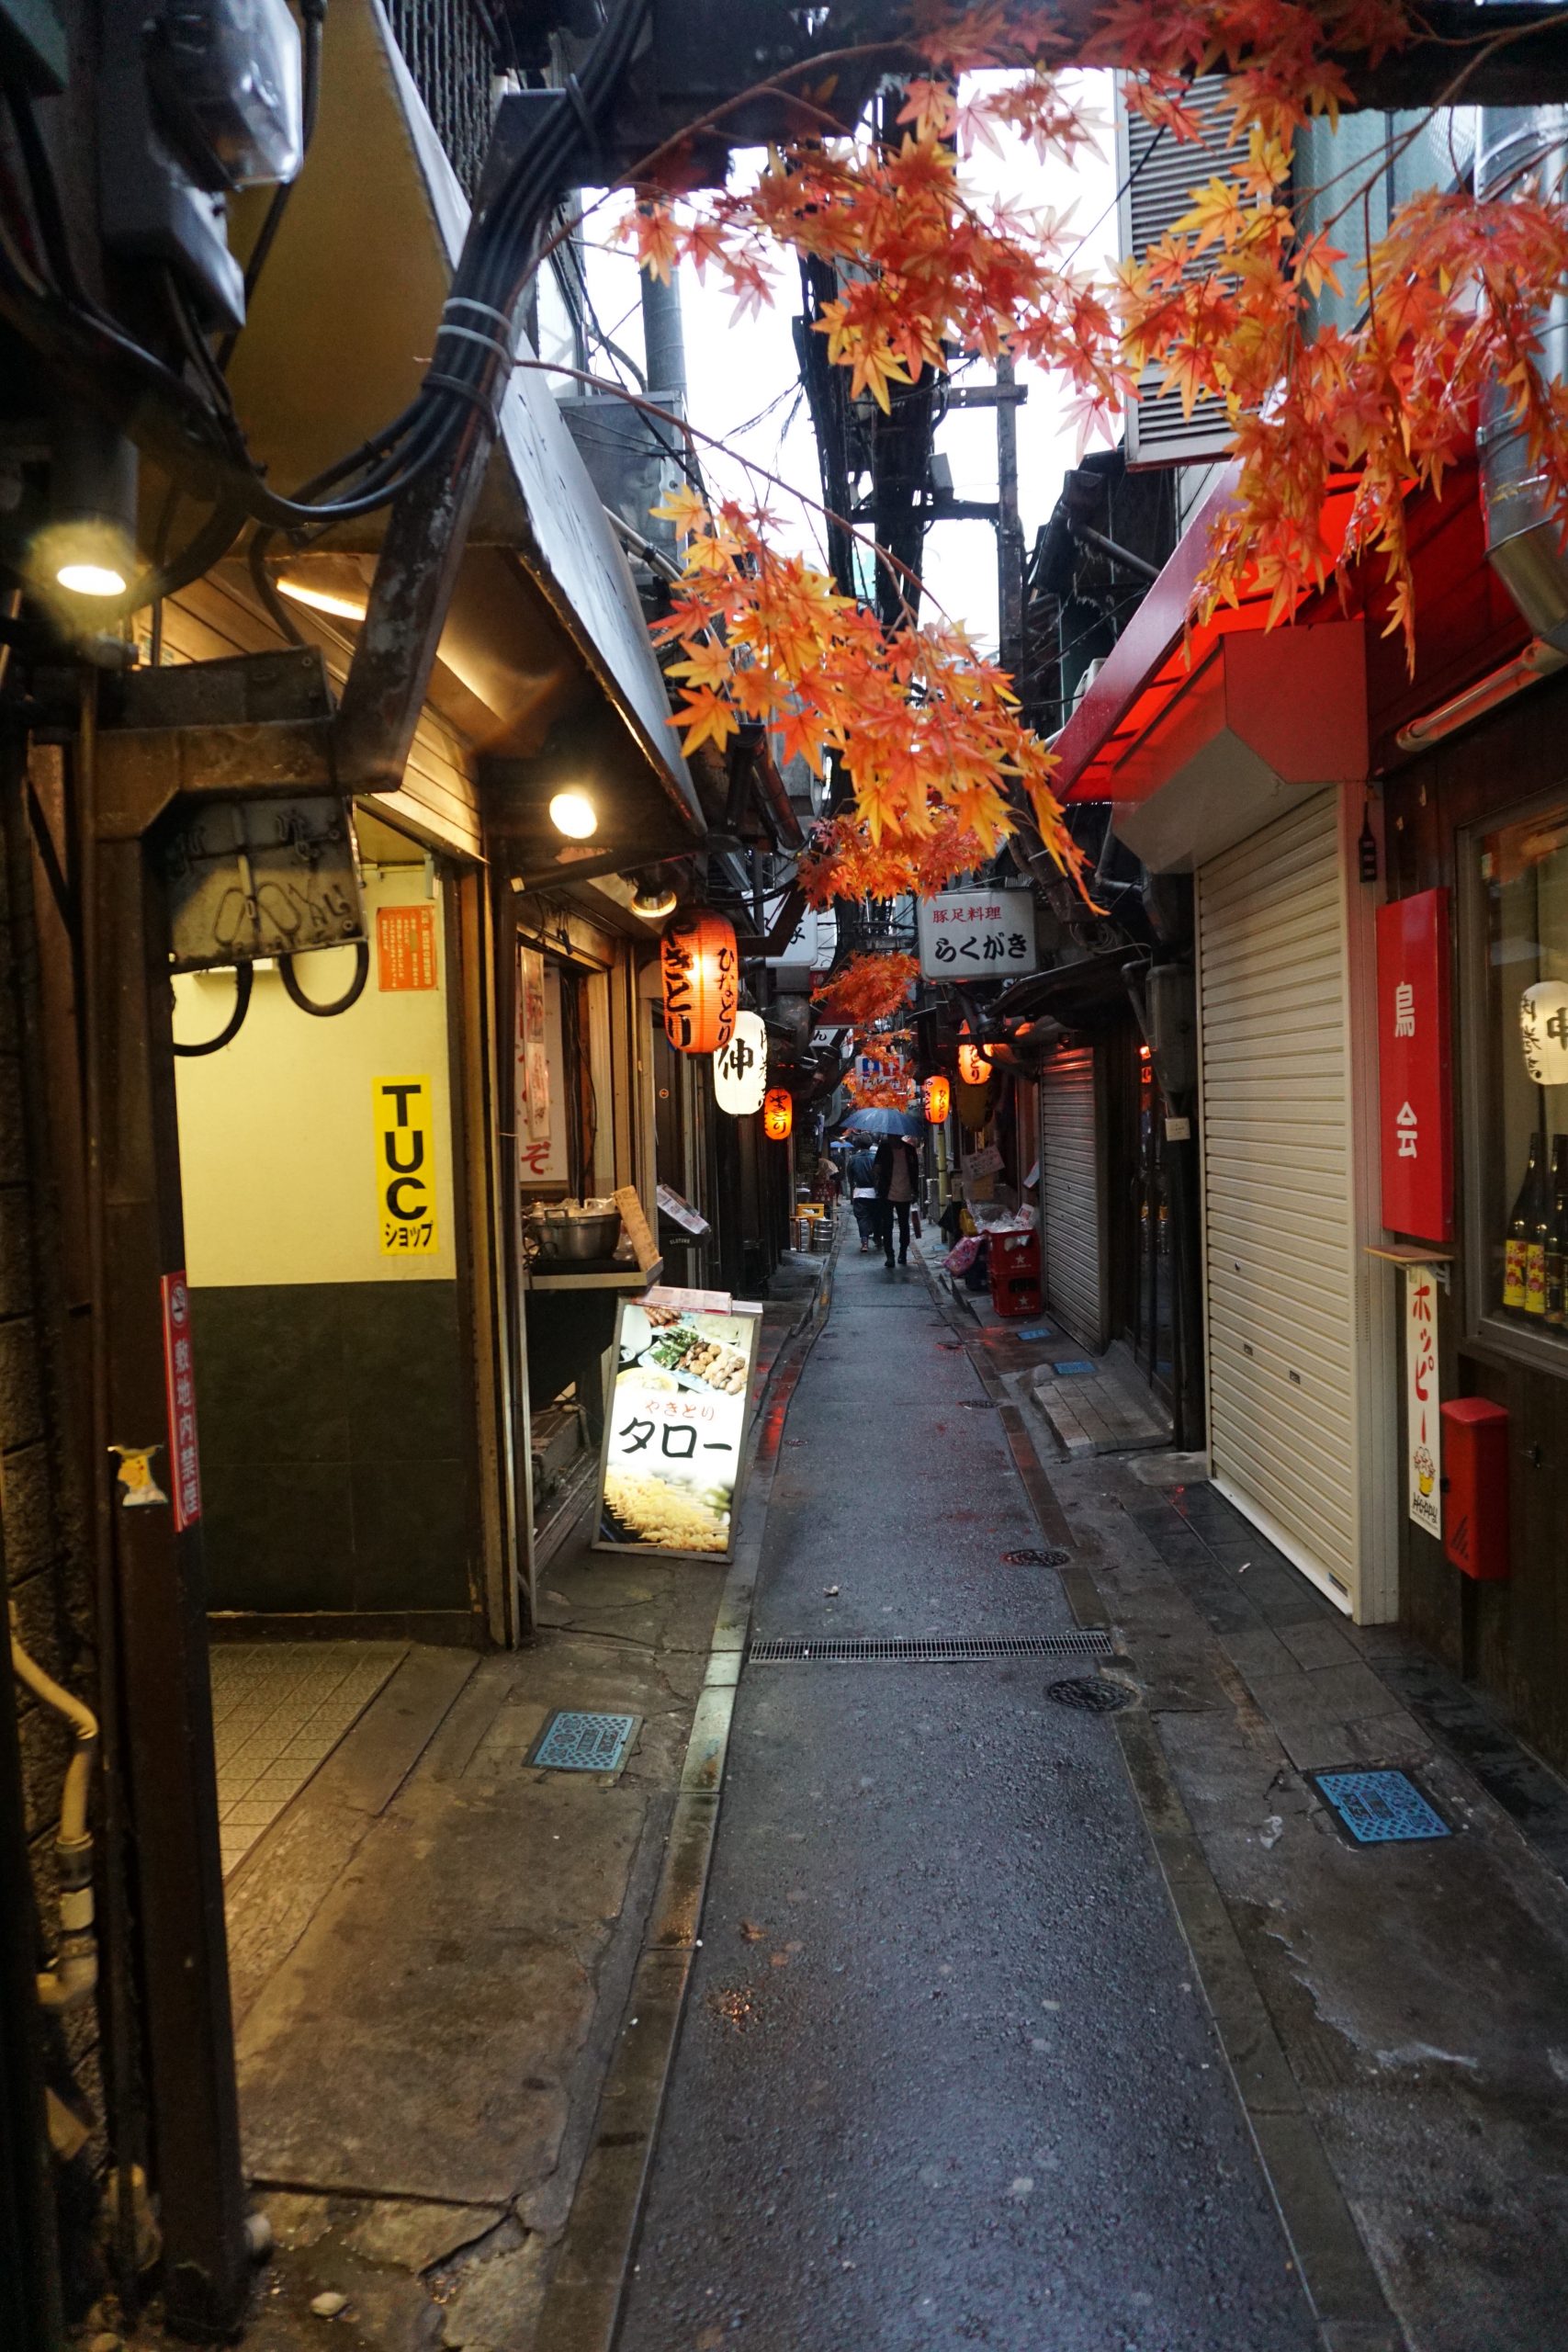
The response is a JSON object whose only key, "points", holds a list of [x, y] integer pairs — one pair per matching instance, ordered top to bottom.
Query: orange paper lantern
{"points": [[701, 973], [973, 1067], [939, 1099], [778, 1113]]}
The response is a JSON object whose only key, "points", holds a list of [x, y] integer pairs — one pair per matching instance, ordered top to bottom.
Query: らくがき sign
{"points": [[978, 935], [1415, 1094], [1422, 1418], [675, 1431]]}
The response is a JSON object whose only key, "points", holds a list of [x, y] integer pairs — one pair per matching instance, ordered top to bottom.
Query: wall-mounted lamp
{"points": [[573, 814], [653, 905]]}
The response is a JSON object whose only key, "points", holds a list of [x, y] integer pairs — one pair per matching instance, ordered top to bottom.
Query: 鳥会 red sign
{"points": [[1414, 1092]]}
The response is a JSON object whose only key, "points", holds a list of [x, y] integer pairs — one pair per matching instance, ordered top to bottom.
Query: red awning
{"points": [[1465, 625]]}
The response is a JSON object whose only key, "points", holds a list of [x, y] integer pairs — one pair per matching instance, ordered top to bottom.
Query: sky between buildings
{"points": [[744, 385]]}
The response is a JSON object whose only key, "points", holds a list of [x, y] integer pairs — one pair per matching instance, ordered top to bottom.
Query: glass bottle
{"points": [[1557, 1240], [1524, 1248]]}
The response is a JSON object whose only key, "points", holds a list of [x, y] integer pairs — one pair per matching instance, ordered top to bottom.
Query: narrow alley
{"points": [[946, 2077]]}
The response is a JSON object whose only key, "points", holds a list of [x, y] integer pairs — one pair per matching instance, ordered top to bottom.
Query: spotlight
{"points": [[89, 548], [573, 814]]}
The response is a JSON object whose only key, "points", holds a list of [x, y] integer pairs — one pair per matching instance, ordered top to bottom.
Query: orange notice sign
{"points": [[405, 947]]}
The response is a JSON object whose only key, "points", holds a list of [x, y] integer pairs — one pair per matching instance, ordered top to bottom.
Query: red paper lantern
{"points": [[701, 974], [973, 1067], [939, 1099], [778, 1113]]}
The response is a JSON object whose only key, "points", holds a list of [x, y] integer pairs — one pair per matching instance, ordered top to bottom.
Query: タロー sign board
{"points": [[1415, 1090], [670, 1472]]}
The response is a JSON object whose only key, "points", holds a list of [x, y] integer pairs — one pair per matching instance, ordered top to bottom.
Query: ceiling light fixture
{"points": [[322, 600], [573, 814], [653, 905]]}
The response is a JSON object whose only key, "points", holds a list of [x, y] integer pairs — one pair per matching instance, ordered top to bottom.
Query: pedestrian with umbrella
{"points": [[898, 1190]]}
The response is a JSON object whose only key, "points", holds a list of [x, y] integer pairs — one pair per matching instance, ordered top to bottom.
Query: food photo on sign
{"points": [[675, 1433]]}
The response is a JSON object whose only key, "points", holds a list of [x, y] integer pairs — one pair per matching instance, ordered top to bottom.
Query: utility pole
{"points": [[1010, 529]]}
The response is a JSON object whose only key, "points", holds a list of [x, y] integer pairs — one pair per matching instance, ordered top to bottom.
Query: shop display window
{"points": [[1518, 1112]]}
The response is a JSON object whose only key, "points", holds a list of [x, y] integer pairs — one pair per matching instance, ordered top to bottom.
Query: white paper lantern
{"points": [[1543, 1027], [740, 1067]]}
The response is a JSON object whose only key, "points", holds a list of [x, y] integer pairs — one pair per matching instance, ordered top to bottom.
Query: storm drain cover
{"points": [[1073, 1367], [1048, 1555], [926, 1649], [1091, 1695], [573, 1742], [1379, 1808]]}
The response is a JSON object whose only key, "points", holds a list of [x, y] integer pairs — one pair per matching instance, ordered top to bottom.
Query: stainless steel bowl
{"points": [[567, 1233]]}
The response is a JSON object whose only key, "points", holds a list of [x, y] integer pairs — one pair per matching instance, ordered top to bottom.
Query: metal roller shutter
{"points": [[1280, 1224], [1072, 1259]]}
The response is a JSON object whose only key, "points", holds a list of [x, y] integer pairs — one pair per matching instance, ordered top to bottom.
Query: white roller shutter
{"points": [[1071, 1255], [1283, 1262]]}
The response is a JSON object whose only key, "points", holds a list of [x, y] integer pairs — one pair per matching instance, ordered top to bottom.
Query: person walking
{"points": [[898, 1188], [863, 1193]]}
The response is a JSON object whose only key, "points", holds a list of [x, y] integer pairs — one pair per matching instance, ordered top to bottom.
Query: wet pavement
{"points": [[945, 2077]]}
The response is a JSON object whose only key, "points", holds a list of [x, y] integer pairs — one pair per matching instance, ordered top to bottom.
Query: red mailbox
{"points": [[1475, 1487]]}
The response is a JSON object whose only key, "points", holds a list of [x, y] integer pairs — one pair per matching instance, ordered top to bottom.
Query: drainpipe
{"points": [[74, 1976]]}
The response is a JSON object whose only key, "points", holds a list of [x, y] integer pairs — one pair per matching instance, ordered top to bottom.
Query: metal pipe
{"points": [[1537, 661], [74, 1976]]}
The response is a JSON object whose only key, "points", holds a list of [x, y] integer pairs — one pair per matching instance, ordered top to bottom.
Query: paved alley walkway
{"points": [[944, 2078]]}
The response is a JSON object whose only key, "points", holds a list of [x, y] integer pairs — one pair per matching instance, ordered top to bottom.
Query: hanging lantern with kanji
{"points": [[701, 974], [740, 1067], [973, 1067], [939, 1099], [778, 1113]]}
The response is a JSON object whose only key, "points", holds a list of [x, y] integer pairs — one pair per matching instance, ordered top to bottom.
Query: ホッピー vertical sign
{"points": [[1416, 1116], [405, 1165], [179, 1382], [1422, 1424]]}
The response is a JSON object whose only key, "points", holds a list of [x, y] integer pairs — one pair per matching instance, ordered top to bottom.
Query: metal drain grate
{"points": [[1048, 1555], [925, 1649], [1090, 1696], [574, 1741], [1384, 1808]]}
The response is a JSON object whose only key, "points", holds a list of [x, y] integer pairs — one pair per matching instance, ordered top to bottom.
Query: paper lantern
{"points": [[701, 974], [741, 1066], [973, 1067], [939, 1099], [778, 1113]]}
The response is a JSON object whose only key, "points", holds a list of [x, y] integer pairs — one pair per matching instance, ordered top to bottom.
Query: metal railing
{"points": [[450, 47]]}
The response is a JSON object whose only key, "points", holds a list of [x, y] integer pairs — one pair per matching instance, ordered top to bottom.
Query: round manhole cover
{"points": [[1046, 1556], [1091, 1693]]}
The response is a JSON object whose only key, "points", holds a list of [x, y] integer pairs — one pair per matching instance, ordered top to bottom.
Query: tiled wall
{"points": [[334, 1447]]}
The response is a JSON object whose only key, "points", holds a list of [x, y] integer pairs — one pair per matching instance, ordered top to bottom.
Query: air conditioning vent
{"points": [[1156, 174]]}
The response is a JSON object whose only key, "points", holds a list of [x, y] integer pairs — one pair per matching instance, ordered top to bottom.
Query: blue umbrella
{"points": [[883, 1121]]}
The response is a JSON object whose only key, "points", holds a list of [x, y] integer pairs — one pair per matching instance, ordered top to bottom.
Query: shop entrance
{"points": [[322, 1250]]}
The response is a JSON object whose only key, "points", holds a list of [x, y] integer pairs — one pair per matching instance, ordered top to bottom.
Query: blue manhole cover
{"points": [[1073, 1367], [572, 1742], [1379, 1808]]}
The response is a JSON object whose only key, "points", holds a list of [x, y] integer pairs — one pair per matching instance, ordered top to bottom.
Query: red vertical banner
{"points": [[1415, 1067], [179, 1380]]}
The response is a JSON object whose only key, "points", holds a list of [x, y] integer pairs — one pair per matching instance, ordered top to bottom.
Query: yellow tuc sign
{"points": [[405, 1165]]}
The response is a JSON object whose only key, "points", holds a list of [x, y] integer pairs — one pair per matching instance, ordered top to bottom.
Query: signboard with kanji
{"points": [[978, 935], [405, 947], [1415, 1091], [179, 1380], [1423, 1422], [675, 1433]]}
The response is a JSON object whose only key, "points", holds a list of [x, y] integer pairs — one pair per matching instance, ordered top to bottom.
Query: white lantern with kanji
{"points": [[740, 1067]]}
